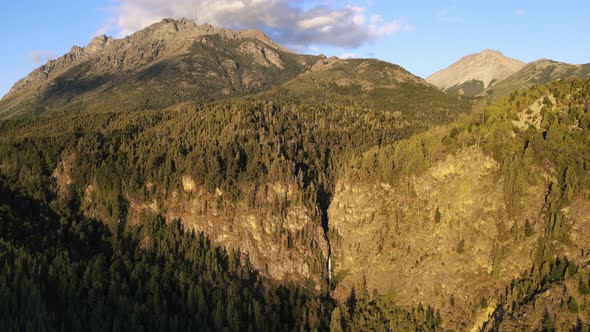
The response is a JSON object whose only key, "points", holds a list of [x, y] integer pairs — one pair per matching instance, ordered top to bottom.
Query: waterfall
{"points": [[329, 270]]}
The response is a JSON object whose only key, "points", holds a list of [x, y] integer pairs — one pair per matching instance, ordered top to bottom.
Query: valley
{"points": [[188, 176]]}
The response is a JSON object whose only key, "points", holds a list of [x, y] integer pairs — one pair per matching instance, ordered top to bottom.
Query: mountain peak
{"points": [[167, 39], [97, 44], [491, 52], [475, 72]]}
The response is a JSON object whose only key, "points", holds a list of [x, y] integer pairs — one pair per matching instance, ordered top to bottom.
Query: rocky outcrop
{"points": [[262, 55], [279, 234], [442, 234]]}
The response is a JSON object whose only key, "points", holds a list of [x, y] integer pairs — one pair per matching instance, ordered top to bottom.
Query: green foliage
{"points": [[469, 88], [437, 215], [460, 246], [68, 272], [583, 287], [483, 303], [572, 305], [380, 313], [548, 323]]}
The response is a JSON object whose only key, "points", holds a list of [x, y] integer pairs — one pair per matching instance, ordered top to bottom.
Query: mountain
{"points": [[167, 62], [475, 72], [537, 73], [176, 76], [370, 84], [334, 195], [479, 219]]}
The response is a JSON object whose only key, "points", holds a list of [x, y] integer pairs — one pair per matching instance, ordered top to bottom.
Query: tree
{"points": [[437, 215], [528, 229], [461, 247], [583, 287], [572, 305], [336, 321], [548, 324]]}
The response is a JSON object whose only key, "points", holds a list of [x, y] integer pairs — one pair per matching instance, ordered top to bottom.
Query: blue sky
{"points": [[422, 36]]}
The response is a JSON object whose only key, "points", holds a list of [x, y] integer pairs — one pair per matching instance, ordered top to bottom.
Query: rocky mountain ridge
{"points": [[167, 38], [192, 61], [536, 73]]}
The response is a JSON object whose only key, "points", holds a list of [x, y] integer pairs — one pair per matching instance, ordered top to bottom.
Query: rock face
{"points": [[173, 59], [476, 72], [440, 234], [272, 241], [289, 246]]}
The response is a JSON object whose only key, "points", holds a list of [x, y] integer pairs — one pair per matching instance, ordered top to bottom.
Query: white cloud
{"points": [[519, 12], [449, 15], [296, 24], [108, 26], [41, 56], [348, 56]]}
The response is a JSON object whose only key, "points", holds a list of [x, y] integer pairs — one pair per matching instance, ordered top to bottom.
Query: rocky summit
{"points": [[166, 62], [475, 72]]}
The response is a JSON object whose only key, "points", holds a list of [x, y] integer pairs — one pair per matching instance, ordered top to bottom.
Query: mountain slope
{"points": [[168, 62], [475, 72], [537, 73], [373, 86], [251, 169], [359, 183], [470, 218]]}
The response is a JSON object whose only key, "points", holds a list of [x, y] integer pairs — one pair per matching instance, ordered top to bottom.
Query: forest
{"points": [[67, 266]]}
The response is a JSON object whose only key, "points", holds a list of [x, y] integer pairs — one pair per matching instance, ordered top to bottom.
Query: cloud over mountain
{"points": [[296, 24], [41, 56]]}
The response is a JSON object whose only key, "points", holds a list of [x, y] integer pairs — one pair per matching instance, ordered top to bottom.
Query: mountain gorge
{"points": [[187, 177]]}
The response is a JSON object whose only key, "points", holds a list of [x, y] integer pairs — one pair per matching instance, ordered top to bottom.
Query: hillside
{"points": [[475, 72], [537, 73], [373, 86], [477, 220], [427, 229]]}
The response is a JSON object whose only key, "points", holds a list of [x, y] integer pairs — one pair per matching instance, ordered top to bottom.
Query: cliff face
{"points": [[444, 233], [279, 234]]}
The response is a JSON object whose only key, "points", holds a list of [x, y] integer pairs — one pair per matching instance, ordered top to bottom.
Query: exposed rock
{"points": [[98, 44], [262, 55], [325, 63], [488, 67], [62, 174], [188, 184], [259, 233], [388, 234]]}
